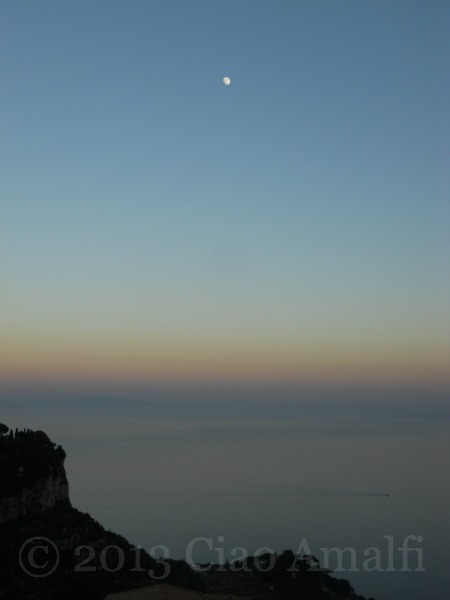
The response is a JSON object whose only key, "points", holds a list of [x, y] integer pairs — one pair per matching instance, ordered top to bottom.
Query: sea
{"points": [[358, 478]]}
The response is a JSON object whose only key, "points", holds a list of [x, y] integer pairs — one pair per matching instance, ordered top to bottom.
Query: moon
{"points": [[226, 80]]}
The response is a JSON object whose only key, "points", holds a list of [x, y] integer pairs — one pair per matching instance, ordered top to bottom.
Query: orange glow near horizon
{"points": [[147, 361]]}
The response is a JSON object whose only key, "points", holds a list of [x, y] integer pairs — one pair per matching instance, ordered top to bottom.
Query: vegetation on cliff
{"points": [[77, 537]]}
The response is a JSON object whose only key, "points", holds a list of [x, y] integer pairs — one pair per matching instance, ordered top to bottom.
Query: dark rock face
{"points": [[32, 474], [44, 494]]}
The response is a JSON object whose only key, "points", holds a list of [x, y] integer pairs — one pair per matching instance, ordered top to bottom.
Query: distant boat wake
{"points": [[281, 493], [342, 493]]}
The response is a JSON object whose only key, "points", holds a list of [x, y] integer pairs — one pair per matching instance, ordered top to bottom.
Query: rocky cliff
{"points": [[32, 475]]}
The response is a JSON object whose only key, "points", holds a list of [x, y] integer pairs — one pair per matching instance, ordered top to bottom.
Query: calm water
{"points": [[274, 472]]}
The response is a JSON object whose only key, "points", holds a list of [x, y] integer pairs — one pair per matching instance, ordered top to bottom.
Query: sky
{"points": [[159, 226]]}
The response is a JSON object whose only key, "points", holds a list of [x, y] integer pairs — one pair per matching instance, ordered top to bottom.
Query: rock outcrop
{"points": [[32, 474], [42, 495]]}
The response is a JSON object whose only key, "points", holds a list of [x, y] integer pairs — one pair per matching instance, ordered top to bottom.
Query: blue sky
{"points": [[298, 217]]}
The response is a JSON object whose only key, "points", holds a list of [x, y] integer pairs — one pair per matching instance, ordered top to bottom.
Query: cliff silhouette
{"points": [[32, 475], [51, 551]]}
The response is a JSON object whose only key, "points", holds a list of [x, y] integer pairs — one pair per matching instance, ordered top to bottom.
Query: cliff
{"points": [[32, 474], [49, 550]]}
